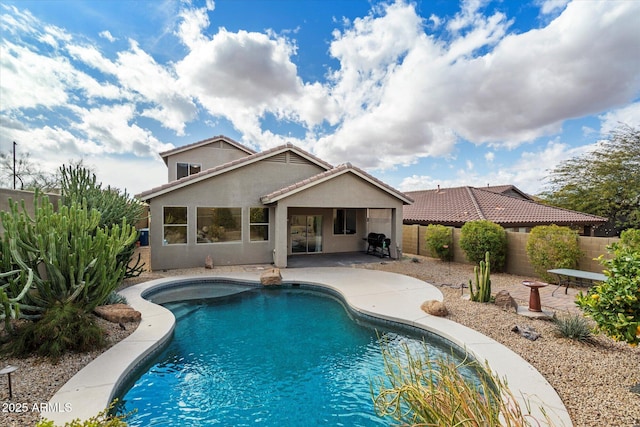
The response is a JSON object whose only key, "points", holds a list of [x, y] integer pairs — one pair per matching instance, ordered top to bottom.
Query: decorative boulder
{"points": [[208, 262], [271, 277], [505, 301], [434, 308], [118, 313]]}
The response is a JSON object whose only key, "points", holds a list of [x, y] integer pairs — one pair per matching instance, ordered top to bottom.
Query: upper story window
{"points": [[186, 169], [344, 221]]}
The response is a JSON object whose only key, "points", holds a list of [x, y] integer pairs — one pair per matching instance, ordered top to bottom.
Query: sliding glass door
{"points": [[306, 233]]}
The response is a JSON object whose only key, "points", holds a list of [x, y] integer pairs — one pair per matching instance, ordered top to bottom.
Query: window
{"points": [[186, 169], [344, 221], [259, 224], [174, 225], [219, 225]]}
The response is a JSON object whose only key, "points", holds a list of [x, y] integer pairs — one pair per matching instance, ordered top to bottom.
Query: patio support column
{"points": [[396, 232], [281, 235]]}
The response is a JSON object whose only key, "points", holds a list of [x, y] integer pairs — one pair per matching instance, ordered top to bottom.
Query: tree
{"points": [[28, 175], [604, 182]]}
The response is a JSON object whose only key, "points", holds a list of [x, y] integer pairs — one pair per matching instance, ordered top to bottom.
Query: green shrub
{"points": [[479, 237], [439, 241], [551, 246], [114, 298], [615, 304], [574, 327], [62, 328], [417, 391], [103, 419]]}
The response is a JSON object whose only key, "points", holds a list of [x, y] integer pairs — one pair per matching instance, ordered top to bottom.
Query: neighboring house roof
{"points": [[165, 155], [229, 166], [328, 175], [508, 190], [456, 206]]}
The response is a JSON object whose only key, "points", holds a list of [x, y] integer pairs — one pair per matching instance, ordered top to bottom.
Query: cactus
{"points": [[73, 259], [482, 292], [10, 306]]}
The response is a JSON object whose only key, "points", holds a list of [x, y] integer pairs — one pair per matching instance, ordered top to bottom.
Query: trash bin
{"points": [[144, 237]]}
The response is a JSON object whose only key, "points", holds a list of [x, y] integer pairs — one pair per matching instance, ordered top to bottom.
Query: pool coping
{"points": [[388, 296]]}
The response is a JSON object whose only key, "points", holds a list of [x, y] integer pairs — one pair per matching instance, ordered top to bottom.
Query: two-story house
{"points": [[226, 201]]}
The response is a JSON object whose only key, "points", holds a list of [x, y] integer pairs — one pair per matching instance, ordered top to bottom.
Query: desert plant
{"points": [[79, 186], [480, 237], [439, 241], [552, 246], [73, 260], [483, 281], [12, 292], [114, 298], [615, 304], [573, 326], [63, 327], [419, 391], [102, 419]]}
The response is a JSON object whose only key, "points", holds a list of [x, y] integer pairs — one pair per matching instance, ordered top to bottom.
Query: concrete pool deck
{"points": [[384, 295]]}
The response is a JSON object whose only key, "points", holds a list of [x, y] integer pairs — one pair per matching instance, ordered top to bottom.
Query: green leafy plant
{"points": [[480, 237], [439, 241], [552, 246], [482, 274], [114, 298], [615, 304], [574, 327], [418, 391], [103, 419]]}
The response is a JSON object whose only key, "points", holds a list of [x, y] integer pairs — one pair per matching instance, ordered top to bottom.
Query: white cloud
{"points": [[106, 34], [629, 115]]}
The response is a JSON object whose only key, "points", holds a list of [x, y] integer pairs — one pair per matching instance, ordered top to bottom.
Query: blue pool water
{"points": [[281, 357]]}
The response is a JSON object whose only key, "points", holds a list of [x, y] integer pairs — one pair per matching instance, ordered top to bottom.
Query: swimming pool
{"points": [[378, 294], [273, 357]]}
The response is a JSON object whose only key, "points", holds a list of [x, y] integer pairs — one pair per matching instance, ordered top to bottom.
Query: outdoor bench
{"points": [[567, 276]]}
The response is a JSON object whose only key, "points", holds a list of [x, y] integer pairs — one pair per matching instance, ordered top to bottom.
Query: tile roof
{"points": [[226, 139], [232, 165], [329, 174], [455, 206]]}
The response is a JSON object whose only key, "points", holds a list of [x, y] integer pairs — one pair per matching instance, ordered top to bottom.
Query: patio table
{"points": [[567, 276]]}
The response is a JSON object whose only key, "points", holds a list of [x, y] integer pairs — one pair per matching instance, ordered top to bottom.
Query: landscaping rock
{"points": [[271, 277], [505, 301], [435, 308], [118, 313], [526, 332]]}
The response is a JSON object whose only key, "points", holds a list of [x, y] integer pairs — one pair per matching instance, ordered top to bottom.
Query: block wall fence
{"points": [[413, 242]]}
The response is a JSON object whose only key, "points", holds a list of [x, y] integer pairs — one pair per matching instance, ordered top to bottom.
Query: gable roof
{"points": [[165, 154], [229, 166], [328, 175], [508, 190], [455, 206]]}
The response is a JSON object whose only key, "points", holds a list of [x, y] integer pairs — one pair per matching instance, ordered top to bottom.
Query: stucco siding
{"points": [[207, 156], [240, 188]]}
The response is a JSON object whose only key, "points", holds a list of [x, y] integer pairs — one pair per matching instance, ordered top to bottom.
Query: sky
{"points": [[418, 94]]}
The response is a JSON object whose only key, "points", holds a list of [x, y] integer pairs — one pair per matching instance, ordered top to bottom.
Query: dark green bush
{"points": [[479, 237], [439, 241], [552, 246], [62, 328]]}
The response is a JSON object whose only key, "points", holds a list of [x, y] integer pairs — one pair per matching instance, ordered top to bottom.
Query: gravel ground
{"points": [[594, 380]]}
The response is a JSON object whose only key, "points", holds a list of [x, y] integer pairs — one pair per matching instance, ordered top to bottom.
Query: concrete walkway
{"points": [[380, 294]]}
